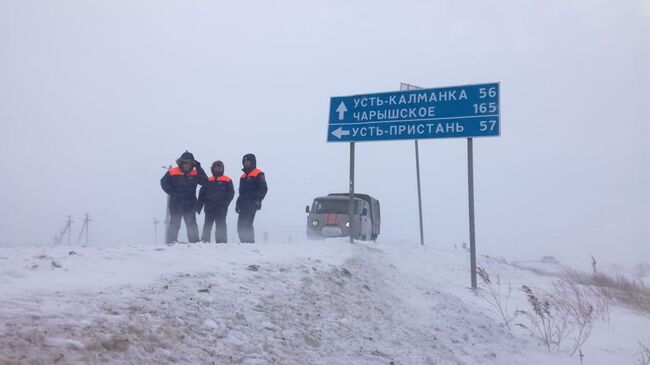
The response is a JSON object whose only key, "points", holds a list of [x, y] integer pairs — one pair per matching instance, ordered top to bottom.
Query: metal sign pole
{"points": [[404, 86], [417, 168], [470, 188], [351, 228]]}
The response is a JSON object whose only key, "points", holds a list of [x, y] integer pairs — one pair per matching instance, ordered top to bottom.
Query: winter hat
{"points": [[187, 156]]}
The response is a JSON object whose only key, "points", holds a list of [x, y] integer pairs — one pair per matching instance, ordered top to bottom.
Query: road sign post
{"points": [[404, 86], [457, 111], [467, 111], [417, 169], [470, 194], [351, 224]]}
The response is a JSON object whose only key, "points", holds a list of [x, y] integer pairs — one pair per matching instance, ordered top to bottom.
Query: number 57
{"points": [[487, 125]]}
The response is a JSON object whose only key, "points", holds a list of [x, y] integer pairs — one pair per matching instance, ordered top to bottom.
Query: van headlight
{"points": [[314, 223], [347, 224]]}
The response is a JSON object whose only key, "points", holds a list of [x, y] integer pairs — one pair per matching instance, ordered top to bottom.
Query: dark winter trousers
{"points": [[175, 226], [245, 226], [220, 228]]}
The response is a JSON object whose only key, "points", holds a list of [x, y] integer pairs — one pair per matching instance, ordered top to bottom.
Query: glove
{"points": [[197, 164], [258, 205], [237, 208]]}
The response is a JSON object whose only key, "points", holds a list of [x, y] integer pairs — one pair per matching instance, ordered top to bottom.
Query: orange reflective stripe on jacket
{"points": [[176, 171], [252, 173], [220, 178]]}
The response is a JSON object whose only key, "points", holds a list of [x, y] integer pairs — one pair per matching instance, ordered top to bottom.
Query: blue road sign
{"points": [[446, 112]]}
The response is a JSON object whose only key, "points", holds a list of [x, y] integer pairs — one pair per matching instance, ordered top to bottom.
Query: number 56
{"points": [[491, 92]]}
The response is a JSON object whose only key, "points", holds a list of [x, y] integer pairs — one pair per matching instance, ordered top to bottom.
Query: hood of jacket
{"points": [[250, 157]]}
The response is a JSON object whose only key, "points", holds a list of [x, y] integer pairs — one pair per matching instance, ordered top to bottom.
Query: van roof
{"points": [[335, 197], [364, 197]]}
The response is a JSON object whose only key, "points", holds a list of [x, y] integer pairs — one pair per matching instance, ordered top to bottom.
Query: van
{"points": [[329, 216]]}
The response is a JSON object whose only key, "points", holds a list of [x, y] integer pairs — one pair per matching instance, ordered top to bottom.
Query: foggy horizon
{"points": [[95, 98]]}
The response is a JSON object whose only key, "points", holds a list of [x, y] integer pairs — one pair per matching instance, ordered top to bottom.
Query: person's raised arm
{"points": [[203, 177]]}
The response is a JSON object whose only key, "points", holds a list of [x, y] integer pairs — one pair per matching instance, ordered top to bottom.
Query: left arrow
{"points": [[341, 110], [338, 132]]}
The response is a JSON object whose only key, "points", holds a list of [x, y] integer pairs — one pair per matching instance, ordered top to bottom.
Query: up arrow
{"points": [[341, 110], [338, 132]]}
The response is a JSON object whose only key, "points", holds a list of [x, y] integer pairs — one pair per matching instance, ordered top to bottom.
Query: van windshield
{"points": [[338, 206]]}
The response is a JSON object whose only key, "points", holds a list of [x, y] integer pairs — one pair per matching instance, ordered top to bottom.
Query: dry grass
{"points": [[492, 292], [632, 293], [563, 317], [544, 323], [644, 355]]}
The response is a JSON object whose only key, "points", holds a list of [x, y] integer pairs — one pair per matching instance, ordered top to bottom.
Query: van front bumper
{"points": [[328, 231]]}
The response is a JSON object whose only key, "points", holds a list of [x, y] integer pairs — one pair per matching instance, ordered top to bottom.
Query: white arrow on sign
{"points": [[341, 110], [338, 132]]}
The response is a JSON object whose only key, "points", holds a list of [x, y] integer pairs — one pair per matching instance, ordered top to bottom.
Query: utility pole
{"points": [[69, 228], [84, 228], [66, 229], [155, 231]]}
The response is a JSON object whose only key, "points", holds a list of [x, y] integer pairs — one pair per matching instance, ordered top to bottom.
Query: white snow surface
{"points": [[295, 303]]}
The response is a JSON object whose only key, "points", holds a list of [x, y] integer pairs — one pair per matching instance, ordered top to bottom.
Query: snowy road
{"points": [[300, 303]]}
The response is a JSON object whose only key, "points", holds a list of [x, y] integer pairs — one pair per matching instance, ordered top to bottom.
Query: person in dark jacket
{"points": [[180, 184], [252, 190], [215, 197]]}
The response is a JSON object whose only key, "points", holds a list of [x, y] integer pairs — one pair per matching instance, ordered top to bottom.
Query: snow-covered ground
{"points": [[299, 303]]}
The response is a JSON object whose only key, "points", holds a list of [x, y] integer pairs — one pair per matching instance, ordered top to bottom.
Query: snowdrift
{"points": [[300, 303]]}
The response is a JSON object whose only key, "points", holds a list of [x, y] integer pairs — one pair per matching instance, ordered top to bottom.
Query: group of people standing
{"points": [[215, 196]]}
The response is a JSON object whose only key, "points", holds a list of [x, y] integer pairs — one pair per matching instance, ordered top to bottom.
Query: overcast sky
{"points": [[95, 96]]}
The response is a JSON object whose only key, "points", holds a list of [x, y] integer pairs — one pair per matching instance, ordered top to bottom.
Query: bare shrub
{"points": [[491, 291], [581, 306], [566, 313], [545, 320]]}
